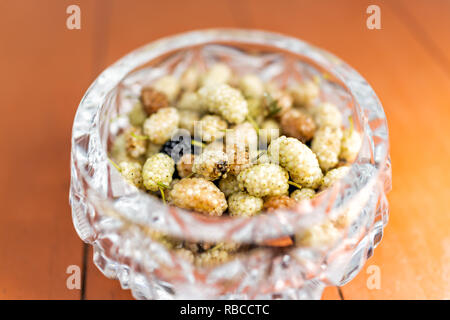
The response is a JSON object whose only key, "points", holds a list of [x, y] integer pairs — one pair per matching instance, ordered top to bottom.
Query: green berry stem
{"points": [[272, 105], [350, 120], [253, 123], [139, 136], [198, 143], [115, 165], [189, 175], [292, 183], [162, 185], [161, 190], [216, 247]]}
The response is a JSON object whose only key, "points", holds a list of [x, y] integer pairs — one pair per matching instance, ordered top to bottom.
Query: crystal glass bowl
{"points": [[116, 218]]}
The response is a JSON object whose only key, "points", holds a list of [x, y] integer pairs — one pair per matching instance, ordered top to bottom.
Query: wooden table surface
{"points": [[46, 69]]}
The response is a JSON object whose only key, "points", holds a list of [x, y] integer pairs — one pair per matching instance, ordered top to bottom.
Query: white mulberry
{"points": [[219, 73], [190, 78], [169, 85], [251, 86], [305, 93], [276, 100], [190, 101], [225, 101], [256, 109], [327, 114], [137, 115], [188, 120], [160, 126], [212, 127], [270, 130], [242, 136], [136, 144], [350, 145], [214, 146], [327, 146], [152, 149], [118, 151], [261, 157], [238, 159], [297, 159], [211, 164], [184, 165], [158, 169], [132, 172], [333, 175], [264, 180], [229, 185], [170, 187], [303, 194], [199, 195], [278, 202], [241, 204], [319, 235], [164, 239], [185, 254], [212, 257]]}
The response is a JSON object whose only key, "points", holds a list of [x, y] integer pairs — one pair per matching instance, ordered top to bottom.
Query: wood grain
{"points": [[430, 24], [47, 68], [98, 287]]}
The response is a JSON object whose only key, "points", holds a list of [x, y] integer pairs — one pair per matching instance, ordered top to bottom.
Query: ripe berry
{"points": [[153, 100], [157, 170], [199, 195], [241, 204]]}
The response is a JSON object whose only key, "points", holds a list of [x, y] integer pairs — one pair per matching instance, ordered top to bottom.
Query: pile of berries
{"points": [[218, 144]]}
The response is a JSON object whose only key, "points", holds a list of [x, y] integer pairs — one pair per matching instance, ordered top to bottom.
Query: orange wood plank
{"points": [[429, 22], [133, 24], [45, 70], [99, 287], [331, 293]]}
